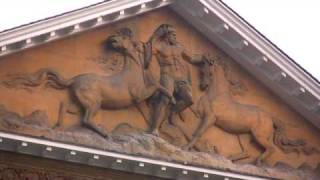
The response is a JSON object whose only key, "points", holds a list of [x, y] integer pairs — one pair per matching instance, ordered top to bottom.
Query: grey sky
{"points": [[292, 25]]}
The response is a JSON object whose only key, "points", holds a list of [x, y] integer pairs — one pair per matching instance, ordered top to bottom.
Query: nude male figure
{"points": [[174, 74]]}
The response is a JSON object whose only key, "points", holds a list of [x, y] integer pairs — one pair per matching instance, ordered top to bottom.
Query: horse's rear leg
{"points": [[62, 111], [90, 112], [265, 140], [243, 154]]}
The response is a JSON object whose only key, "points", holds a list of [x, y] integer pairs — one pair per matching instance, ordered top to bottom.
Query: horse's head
{"points": [[121, 41]]}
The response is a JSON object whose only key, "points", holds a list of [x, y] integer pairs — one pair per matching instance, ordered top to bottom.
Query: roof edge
{"points": [[46, 30], [269, 41], [265, 46], [255, 53], [105, 159]]}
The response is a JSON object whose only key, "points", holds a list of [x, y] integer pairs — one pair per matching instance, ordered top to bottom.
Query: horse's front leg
{"points": [[203, 125]]}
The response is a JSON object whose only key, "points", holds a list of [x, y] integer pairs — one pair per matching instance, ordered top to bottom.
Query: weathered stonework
{"points": [[136, 90]]}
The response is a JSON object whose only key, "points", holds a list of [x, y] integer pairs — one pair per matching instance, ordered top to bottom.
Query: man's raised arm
{"points": [[150, 48], [197, 58]]}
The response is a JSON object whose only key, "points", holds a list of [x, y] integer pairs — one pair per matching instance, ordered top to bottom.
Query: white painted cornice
{"points": [[73, 22], [264, 46], [255, 53]]}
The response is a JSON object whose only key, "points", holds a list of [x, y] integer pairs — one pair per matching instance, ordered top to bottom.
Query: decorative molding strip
{"points": [[74, 22], [239, 40], [116, 161]]}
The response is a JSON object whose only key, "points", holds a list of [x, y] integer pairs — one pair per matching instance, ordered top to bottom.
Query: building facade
{"points": [[153, 89]]}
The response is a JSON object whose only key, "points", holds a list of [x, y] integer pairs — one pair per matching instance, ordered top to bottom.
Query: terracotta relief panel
{"points": [[152, 85]]}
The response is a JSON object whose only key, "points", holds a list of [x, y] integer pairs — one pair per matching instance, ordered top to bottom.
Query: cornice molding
{"points": [[73, 22], [264, 46], [255, 53], [112, 160]]}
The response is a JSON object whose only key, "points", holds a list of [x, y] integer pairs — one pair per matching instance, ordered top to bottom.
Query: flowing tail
{"points": [[50, 77], [290, 145]]}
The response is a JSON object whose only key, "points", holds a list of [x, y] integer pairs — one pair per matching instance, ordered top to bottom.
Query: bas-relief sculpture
{"points": [[174, 73], [93, 92], [168, 98], [216, 107]]}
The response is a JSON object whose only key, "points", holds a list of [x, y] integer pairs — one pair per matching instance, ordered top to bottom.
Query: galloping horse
{"points": [[130, 86], [217, 107]]}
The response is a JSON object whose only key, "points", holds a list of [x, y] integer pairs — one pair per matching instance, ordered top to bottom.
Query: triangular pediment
{"points": [[90, 78]]}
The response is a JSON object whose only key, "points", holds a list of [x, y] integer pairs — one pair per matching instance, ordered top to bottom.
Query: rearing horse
{"points": [[130, 86], [217, 107]]}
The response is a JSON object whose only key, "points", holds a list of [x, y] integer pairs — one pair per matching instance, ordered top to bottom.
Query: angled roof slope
{"points": [[212, 18]]}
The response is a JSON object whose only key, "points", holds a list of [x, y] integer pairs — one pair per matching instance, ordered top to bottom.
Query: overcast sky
{"points": [[293, 25]]}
